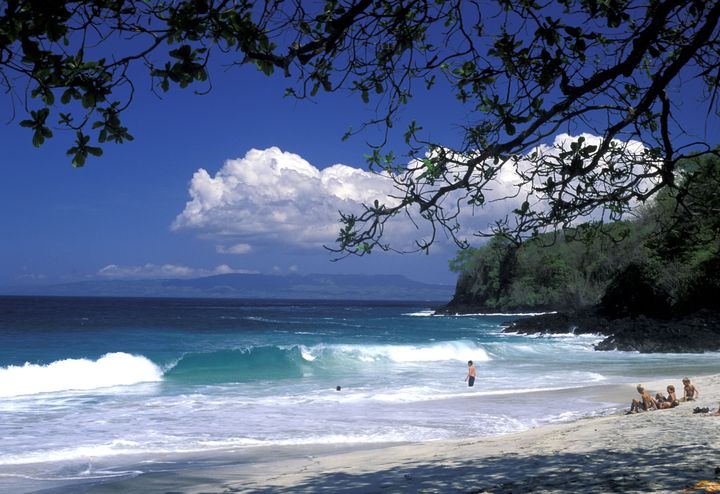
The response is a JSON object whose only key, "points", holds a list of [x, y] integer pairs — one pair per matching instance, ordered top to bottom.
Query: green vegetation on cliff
{"points": [[665, 261]]}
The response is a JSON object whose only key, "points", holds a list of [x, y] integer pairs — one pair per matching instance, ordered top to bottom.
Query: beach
{"points": [[148, 395], [659, 451]]}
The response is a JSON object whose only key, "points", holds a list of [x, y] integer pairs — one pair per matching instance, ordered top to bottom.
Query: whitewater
{"points": [[90, 386]]}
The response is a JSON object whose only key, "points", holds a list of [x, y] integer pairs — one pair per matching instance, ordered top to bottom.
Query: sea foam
{"points": [[442, 351], [112, 369]]}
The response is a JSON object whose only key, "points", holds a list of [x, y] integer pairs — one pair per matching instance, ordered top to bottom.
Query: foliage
{"points": [[524, 69], [686, 240], [666, 260], [567, 269], [485, 272]]}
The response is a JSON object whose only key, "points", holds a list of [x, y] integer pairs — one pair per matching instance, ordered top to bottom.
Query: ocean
{"points": [[89, 386]]}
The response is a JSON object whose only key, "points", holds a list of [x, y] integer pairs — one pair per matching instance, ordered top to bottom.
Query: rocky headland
{"points": [[635, 313], [694, 332], [691, 333]]}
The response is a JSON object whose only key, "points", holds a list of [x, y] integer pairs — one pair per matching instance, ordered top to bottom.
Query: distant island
{"points": [[254, 286]]}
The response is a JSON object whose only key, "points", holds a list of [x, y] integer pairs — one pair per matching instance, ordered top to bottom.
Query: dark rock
{"points": [[585, 321], [693, 333]]}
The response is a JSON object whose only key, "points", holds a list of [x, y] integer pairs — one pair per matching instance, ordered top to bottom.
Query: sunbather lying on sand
{"points": [[660, 401], [670, 401], [645, 403]]}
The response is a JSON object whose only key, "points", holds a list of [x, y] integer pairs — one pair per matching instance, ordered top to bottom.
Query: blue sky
{"points": [[144, 209], [114, 217]]}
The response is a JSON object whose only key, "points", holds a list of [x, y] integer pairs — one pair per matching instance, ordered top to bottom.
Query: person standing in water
{"points": [[470, 378]]}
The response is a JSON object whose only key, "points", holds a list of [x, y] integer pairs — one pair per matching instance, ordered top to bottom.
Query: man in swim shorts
{"points": [[470, 378]]}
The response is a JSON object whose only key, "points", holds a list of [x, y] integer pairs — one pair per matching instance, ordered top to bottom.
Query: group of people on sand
{"points": [[646, 401], [659, 402]]}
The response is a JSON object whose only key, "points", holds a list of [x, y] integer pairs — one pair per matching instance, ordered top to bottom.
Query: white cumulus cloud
{"points": [[271, 196]]}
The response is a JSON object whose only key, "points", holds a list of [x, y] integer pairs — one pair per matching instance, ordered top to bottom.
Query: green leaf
{"points": [[66, 96], [48, 97], [88, 100], [38, 139], [78, 160]]}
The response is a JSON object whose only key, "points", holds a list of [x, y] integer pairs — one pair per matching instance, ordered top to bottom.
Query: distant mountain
{"points": [[312, 286]]}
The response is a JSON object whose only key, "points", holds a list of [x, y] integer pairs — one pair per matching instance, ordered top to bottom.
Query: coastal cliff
{"points": [[648, 285], [635, 315]]}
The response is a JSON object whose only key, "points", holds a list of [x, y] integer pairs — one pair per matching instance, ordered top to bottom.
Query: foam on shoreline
{"points": [[665, 450]]}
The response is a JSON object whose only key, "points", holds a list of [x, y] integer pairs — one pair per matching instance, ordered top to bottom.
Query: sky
{"points": [[241, 179], [144, 209]]}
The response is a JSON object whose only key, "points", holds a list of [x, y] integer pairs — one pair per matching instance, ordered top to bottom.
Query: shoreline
{"points": [[660, 451]]}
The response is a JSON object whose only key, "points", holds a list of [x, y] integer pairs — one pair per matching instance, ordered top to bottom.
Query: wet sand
{"points": [[660, 451]]}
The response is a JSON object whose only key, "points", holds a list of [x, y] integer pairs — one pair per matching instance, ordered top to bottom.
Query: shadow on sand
{"points": [[660, 469]]}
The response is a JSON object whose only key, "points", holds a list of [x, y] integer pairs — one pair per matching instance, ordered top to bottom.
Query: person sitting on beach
{"points": [[690, 392], [671, 397], [645, 403]]}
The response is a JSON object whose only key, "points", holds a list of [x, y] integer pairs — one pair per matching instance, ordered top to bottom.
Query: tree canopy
{"points": [[525, 69], [662, 263]]}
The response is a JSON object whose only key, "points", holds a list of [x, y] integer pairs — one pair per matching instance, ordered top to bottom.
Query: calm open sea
{"points": [[86, 382]]}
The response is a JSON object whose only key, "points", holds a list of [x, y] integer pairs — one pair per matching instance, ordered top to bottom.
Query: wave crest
{"points": [[461, 351], [261, 362], [112, 369]]}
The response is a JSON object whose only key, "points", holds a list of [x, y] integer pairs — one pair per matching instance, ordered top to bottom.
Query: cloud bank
{"points": [[272, 197], [238, 249], [162, 271]]}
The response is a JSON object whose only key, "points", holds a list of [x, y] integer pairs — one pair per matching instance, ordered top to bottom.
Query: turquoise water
{"points": [[90, 381]]}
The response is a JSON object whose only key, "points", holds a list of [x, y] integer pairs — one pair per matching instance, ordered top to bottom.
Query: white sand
{"points": [[660, 451]]}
